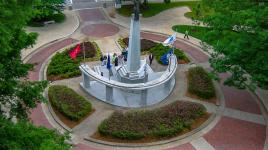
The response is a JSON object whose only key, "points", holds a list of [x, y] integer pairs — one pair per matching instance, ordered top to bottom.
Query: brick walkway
{"points": [[37, 115]]}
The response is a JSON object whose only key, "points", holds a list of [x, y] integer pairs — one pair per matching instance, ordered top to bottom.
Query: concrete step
{"points": [[97, 69]]}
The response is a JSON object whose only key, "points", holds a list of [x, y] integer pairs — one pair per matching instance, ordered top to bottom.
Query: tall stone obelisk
{"points": [[133, 57]]}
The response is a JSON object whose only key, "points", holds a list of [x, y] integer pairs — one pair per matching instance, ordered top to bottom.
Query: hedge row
{"points": [[146, 45], [159, 50], [62, 66], [200, 84], [68, 102], [161, 122]]}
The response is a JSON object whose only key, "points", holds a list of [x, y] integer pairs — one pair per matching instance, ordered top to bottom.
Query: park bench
{"points": [[49, 22]]}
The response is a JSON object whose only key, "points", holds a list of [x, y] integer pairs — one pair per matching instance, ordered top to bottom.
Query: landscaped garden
{"points": [[157, 49], [62, 66], [200, 84], [69, 104], [167, 121]]}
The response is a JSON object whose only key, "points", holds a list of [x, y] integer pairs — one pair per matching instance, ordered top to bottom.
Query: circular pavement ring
{"points": [[100, 30]]}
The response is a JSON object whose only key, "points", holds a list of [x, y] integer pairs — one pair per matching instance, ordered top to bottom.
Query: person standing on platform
{"points": [[151, 58], [101, 59], [116, 61]]}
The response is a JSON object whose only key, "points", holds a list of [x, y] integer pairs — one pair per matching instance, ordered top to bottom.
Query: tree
{"points": [[46, 9], [242, 48], [15, 93], [24, 135]]}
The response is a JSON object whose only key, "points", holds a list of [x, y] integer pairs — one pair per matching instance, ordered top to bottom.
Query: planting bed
{"points": [[62, 66], [200, 84], [68, 103], [152, 125]]}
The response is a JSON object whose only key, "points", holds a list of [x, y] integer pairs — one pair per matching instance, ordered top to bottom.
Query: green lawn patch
{"points": [[154, 8], [194, 31], [201, 33], [159, 50], [63, 67], [200, 84], [68, 102], [161, 122]]}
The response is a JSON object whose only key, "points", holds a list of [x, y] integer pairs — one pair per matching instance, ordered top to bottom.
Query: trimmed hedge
{"points": [[159, 50], [63, 67], [200, 84], [68, 102], [161, 122]]}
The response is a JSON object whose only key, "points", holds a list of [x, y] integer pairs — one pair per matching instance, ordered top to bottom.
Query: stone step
{"points": [[97, 69]]}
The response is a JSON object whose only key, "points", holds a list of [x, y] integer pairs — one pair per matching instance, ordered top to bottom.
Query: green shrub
{"points": [[59, 17], [159, 50], [62, 66], [200, 84], [68, 102], [161, 122]]}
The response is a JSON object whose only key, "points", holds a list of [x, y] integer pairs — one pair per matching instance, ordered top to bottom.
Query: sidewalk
{"points": [[52, 32]]}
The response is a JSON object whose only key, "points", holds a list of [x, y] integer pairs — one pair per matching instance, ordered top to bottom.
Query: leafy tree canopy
{"points": [[46, 8], [242, 48], [15, 93], [24, 135]]}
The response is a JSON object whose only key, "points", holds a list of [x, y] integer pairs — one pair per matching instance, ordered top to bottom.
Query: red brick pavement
{"points": [[91, 15], [100, 30], [192, 51], [43, 54], [239, 99], [37, 115], [234, 134], [186, 146]]}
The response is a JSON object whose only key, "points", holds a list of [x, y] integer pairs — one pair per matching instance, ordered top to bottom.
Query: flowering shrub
{"points": [[200, 84], [161, 122]]}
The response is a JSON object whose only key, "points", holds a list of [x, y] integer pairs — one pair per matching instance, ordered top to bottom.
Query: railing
{"points": [[166, 76]]}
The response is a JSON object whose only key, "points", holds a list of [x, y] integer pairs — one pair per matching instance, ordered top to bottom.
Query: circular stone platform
{"points": [[100, 30]]}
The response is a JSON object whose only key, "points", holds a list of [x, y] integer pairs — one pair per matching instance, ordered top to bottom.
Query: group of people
{"points": [[116, 60]]}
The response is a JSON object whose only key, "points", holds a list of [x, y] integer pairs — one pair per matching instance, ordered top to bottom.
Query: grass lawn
{"points": [[155, 8], [194, 31], [199, 33]]}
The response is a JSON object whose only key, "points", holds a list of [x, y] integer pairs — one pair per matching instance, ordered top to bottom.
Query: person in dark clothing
{"points": [[151, 58], [101, 59], [116, 61]]}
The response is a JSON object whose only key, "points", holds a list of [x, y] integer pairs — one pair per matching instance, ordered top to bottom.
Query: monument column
{"points": [[133, 57]]}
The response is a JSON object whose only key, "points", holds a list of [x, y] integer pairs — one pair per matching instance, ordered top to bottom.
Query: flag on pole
{"points": [[171, 39], [75, 51], [165, 58], [109, 62]]}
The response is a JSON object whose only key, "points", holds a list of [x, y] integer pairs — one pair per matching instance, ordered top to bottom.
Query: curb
{"points": [[28, 56], [175, 139]]}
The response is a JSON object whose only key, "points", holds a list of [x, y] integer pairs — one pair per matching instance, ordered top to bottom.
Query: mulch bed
{"points": [[146, 45], [198, 122]]}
